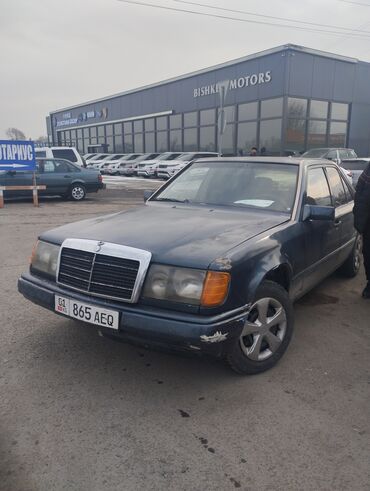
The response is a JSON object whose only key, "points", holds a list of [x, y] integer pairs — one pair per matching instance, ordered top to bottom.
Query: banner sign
{"points": [[17, 155]]}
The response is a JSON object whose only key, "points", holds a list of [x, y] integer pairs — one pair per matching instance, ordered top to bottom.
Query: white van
{"points": [[67, 153]]}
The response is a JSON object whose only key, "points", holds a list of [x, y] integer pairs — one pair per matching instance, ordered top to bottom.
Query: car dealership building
{"points": [[283, 100]]}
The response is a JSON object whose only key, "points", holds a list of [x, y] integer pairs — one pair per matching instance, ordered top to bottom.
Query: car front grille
{"points": [[162, 166], [102, 274]]}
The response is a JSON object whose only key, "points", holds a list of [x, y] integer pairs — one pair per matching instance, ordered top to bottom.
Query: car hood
{"points": [[183, 235]]}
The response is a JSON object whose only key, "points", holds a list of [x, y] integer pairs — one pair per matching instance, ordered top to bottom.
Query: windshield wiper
{"points": [[172, 200]]}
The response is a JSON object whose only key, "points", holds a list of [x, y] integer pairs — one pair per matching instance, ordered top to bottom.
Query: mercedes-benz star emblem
{"points": [[99, 245]]}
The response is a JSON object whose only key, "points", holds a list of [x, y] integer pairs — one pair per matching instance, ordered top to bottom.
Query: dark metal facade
{"points": [[282, 100]]}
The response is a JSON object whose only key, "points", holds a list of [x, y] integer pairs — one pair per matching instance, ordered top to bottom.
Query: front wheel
{"points": [[78, 192], [266, 333]]}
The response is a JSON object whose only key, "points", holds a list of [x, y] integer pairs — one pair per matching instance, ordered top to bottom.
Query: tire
{"points": [[77, 192], [352, 266], [261, 345]]}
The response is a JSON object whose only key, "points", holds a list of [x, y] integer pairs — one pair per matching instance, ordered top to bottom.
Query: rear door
{"points": [[343, 203]]}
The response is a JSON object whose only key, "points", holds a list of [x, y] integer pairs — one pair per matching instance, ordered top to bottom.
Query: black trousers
{"points": [[366, 251]]}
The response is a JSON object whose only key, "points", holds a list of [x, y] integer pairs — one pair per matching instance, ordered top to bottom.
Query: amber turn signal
{"points": [[33, 251], [215, 290]]}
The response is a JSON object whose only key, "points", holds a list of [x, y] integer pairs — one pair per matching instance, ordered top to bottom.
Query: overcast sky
{"points": [[59, 53]]}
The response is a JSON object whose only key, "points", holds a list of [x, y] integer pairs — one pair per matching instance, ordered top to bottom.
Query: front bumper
{"points": [[149, 326]]}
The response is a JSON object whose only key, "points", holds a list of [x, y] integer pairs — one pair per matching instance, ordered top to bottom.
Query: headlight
{"points": [[45, 258], [186, 285]]}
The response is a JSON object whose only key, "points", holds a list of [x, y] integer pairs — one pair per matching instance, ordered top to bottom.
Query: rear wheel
{"points": [[77, 192], [352, 265], [266, 333]]}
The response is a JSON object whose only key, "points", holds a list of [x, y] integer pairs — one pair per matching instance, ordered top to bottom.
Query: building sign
{"points": [[236, 83], [67, 119], [17, 155]]}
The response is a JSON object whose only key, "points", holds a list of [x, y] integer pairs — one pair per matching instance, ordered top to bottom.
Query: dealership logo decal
{"points": [[237, 83], [67, 119]]}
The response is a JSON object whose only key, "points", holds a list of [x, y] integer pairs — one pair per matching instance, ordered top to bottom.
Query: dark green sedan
{"points": [[61, 178]]}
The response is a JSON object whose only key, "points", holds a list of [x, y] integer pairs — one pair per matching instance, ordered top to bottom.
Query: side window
{"points": [[65, 153], [344, 154], [331, 155], [49, 166], [62, 166], [317, 188], [337, 188]]}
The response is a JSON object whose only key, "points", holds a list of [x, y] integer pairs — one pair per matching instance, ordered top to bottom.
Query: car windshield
{"points": [[316, 153], [186, 156], [115, 157], [269, 186]]}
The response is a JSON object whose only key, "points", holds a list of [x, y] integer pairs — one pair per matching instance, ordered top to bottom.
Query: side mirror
{"points": [[147, 194], [314, 212]]}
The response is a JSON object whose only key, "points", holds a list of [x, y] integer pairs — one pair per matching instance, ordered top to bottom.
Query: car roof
{"points": [[269, 160]]}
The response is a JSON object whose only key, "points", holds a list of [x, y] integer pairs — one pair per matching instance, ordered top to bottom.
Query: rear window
{"points": [[65, 153], [355, 164]]}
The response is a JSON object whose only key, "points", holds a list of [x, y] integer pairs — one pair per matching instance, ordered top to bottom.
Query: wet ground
{"points": [[80, 412]]}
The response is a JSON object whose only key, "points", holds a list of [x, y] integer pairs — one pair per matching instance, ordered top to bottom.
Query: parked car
{"points": [[67, 153], [334, 154], [88, 156], [99, 157], [99, 162], [103, 166], [149, 167], [114, 168], [131, 168], [355, 168], [167, 170], [61, 177], [239, 240]]}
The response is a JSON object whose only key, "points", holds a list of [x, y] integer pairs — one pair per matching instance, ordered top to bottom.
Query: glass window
{"points": [[272, 108], [297, 108], [319, 109], [248, 111], [339, 111], [229, 113], [207, 117], [191, 119], [175, 121], [162, 123], [149, 124], [138, 126], [127, 127], [118, 129], [109, 130], [101, 131], [86, 132], [79, 133], [295, 134], [338, 134], [73, 135], [67, 136], [270, 136], [316, 136], [247, 137], [175, 140], [190, 140], [227, 140], [109, 141], [207, 141], [150, 142], [118, 143], [139, 143], [162, 143], [128, 144], [80, 146], [40, 153], [65, 153], [353, 165], [48, 166], [61, 166], [247, 185], [336, 186], [317, 188]]}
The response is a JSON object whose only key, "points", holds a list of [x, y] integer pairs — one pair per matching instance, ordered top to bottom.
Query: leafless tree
{"points": [[15, 134]]}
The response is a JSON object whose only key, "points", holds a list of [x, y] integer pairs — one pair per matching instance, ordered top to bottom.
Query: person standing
{"points": [[253, 152], [361, 212]]}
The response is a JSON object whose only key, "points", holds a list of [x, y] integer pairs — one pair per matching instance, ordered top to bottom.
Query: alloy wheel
{"points": [[78, 193], [264, 329]]}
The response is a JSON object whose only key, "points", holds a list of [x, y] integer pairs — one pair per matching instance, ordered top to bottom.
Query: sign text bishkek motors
{"points": [[236, 83]]}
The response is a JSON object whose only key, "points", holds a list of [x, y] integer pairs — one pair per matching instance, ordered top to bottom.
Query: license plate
{"points": [[86, 312]]}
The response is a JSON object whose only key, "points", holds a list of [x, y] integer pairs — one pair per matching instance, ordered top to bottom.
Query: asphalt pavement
{"points": [[80, 412]]}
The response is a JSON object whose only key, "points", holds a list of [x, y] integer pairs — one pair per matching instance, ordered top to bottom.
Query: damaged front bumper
{"points": [[149, 326]]}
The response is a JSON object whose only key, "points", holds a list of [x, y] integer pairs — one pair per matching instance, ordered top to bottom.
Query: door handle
{"points": [[337, 222]]}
